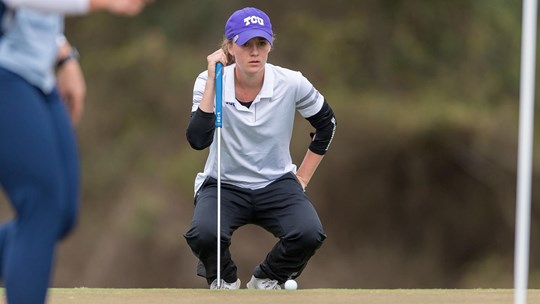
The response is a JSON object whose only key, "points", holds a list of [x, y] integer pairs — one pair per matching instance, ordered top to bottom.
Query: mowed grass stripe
{"points": [[302, 296]]}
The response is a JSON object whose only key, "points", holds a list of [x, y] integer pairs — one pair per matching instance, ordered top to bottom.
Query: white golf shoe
{"points": [[256, 283], [225, 285]]}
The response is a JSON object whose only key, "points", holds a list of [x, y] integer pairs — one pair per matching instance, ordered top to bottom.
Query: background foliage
{"points": [[418, 189]]}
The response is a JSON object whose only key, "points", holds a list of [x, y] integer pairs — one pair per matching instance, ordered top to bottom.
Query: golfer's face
{"points": [[251, 56]]}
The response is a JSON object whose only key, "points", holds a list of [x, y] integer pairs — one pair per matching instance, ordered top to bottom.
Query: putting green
{"points": [[302, 296]]}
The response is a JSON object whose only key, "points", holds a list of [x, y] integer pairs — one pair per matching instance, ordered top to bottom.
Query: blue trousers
{"points": [[39, 173], [282, 208]]}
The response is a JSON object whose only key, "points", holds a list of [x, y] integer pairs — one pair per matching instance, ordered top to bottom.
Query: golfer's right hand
{"points": [[215, 57]]}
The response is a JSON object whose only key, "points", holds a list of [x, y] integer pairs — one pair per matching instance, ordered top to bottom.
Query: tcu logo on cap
{"points": [[253, 20]]}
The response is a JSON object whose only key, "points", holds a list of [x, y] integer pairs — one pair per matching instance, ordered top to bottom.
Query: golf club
{"points": [[219, 101]]}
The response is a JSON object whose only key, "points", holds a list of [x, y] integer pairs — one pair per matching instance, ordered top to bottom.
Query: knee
{"points": [[62, 208], [47, 209], [58, 219], [70, 219], [201, 238], [309, 238], [313, 239]]}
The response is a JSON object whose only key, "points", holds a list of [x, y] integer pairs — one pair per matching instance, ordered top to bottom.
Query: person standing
{"points": [[39, 163], [260, 184]]}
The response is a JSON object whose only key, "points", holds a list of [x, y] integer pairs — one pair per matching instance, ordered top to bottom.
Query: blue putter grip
{"points": [[219, 94]]}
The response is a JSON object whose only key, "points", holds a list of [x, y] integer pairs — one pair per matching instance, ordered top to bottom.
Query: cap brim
{"points": [[245, 36]]}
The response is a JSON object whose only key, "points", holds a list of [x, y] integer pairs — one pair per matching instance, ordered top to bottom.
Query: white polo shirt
{"points": [[255, 141]]}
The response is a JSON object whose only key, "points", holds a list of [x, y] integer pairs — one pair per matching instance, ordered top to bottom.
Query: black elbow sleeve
{"points": [[325, 124]]}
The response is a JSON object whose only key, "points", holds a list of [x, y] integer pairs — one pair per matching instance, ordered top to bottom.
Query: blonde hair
{"points": [[226, 43]]}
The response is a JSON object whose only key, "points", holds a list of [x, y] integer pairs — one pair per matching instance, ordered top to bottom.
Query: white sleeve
{"points": [[68, 7], [198, 90], [308, 100]]}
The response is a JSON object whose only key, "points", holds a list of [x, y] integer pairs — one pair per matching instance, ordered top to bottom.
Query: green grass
{"points": [[302, 296]]}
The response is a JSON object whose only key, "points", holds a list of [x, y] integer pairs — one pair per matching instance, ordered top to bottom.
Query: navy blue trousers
{"points": [[39, 173], [282, 208]]}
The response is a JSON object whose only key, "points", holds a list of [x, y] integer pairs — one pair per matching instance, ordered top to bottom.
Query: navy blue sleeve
{"points": [[324, 123], [200, 131]]}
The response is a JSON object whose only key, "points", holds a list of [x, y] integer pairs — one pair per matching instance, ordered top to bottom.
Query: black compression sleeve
{"points": [[324, 123], [200, 131]]}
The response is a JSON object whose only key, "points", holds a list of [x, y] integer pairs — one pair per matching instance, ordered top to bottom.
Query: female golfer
{"points": [[39, 166], [260, 184]]}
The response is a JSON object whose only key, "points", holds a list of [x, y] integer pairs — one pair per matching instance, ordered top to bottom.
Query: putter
{"points": [[219, 101]]}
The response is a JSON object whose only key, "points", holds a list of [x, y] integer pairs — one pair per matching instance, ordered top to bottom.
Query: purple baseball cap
{"points": [[246, 24]]}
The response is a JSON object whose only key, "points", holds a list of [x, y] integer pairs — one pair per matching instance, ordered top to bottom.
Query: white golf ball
{"points": [[291, 285]]}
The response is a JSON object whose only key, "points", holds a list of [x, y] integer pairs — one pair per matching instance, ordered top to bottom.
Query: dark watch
{"points": [[73, 54]]}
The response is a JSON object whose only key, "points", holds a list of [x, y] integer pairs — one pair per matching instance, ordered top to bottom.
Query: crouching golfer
{"points": [[260, 184]]}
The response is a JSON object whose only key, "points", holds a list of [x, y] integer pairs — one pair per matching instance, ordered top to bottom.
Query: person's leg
{"points": [[67, 145], [32, 178], [284, 210], [6, 232], [202, 235]]}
